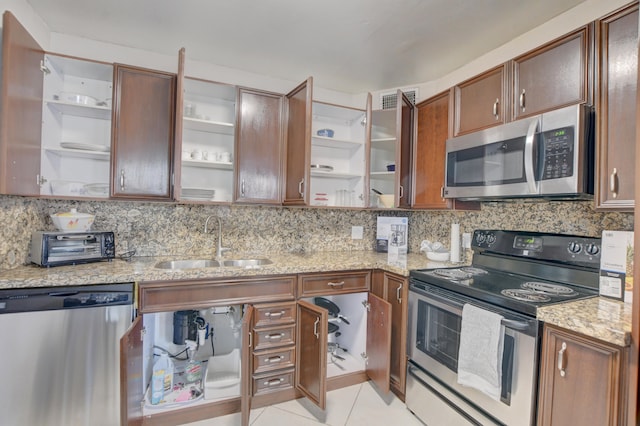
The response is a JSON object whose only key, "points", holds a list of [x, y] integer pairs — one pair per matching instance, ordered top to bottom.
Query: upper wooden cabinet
{"points": [[617, 69], [555, 75], [481, 102], [21, 105], [433, 131], [392, 132], [143, 135], [298, 144], [258, 147], [582, 380]]}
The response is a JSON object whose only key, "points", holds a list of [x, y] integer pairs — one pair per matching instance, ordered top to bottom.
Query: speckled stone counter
{"points": [[142, 269], [605, 319]]}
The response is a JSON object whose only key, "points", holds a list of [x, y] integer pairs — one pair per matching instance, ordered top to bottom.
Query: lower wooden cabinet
{"points": [[395, 289], [284, 342], [582, 380]]}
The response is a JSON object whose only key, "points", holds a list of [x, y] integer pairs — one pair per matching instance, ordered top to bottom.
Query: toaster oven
{"points": [[69, 248]]}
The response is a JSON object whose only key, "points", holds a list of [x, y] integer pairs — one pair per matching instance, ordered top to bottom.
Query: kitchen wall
{"points": [[156, 229]]}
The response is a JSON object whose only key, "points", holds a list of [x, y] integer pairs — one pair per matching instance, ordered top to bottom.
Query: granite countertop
{"points": [[141, 269], [601, 318], [605, 319]]}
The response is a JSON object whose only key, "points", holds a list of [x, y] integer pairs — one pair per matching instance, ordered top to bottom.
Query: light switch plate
{"points": [[357, 232]]}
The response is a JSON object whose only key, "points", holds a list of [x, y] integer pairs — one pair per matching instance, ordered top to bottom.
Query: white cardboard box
{"points": [[392, 234], [616, 265]]}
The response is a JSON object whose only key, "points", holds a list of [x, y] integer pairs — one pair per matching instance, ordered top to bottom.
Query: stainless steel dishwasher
{"points": [[60, 354]]}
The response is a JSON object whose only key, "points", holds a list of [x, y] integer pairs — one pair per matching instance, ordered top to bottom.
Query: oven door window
{"points": [[438, 336]]}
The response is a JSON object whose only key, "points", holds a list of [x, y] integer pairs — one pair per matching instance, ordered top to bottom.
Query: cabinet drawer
{"points": [[343, 282], [161, 296], [272, 314], [273, 337], [274, 360], [272, 382]]}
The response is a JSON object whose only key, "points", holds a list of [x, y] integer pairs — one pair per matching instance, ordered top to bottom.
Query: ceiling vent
{"points": [[389, 100]]}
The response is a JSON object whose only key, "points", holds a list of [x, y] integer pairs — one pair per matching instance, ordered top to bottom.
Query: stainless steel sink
{"points": [[246, 263], [188, 264]]}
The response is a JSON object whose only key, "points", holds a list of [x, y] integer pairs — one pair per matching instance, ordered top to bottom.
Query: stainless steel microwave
{"points": [[550, 155], [70, 248]]}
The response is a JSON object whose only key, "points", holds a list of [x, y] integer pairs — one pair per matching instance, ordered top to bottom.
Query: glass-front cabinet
{"points": [[76, 127], [208, 132], [391, 154], [338, 156]]}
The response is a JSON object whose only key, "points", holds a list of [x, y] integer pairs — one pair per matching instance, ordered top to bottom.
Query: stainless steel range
{"points": [[512, 274]]}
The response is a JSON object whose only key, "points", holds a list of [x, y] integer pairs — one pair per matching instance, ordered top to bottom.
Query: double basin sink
{"points": [[209, 263]]}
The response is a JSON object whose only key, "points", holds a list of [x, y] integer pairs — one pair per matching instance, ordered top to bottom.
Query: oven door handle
{"points": [[515, 325]]}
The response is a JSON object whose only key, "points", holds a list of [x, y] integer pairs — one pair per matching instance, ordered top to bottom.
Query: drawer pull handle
{"points": [[523, 100], [495, 109], [122, 180], [300, 188], [242, 193], [331, 284], [274, 314], [274, 336], [272, 359], [561, 359], [274, 382]]}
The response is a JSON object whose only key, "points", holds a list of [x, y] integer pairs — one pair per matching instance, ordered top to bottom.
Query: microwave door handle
{"points": [[528, 158]]}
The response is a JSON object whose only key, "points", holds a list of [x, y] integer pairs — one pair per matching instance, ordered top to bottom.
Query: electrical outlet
{"points": [[357, 232], [466, 240]]}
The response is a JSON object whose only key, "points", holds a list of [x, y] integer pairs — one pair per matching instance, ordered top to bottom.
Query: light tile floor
{"points": [[358, 405]]}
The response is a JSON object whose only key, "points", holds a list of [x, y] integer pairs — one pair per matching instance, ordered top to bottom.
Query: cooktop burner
{"points": [[548, 288], [525, 295]]}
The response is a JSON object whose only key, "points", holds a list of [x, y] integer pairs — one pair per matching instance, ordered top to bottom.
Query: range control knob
{"points": [[480, 238], [491, 238], [574, 247], [592, 249]]}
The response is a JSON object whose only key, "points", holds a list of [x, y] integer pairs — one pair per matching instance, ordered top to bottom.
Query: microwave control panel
{"points": [[558, 145]]}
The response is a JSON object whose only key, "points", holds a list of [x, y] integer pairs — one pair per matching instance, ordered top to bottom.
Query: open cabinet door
{"points": [[20, 109], [404, 137], [298, 144], [177, 147], [311, 352], [378, 364], [246, 369], [131, 386]]}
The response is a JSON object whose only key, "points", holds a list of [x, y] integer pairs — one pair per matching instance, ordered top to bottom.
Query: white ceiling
{"points": [[352, 46]]}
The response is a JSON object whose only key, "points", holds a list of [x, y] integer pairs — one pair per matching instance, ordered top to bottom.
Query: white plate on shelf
{"points": [[85, 146]]}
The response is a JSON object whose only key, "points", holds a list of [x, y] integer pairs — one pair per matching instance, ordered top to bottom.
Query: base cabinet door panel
{"points": [[311, 357], [378, 357], [581, 380]]}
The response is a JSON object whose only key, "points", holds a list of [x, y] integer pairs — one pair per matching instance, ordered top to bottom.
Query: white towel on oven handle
{"points": [[480, 353]]}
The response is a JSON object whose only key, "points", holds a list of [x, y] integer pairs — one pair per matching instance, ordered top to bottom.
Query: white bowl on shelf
{"points": [[67, 187]]}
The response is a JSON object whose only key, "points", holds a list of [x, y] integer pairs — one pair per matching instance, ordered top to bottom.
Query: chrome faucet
{"points": [[219, 248]]}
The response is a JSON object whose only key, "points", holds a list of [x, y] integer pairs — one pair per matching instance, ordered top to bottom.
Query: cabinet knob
{"points": [[613, 183], [561, 359]]}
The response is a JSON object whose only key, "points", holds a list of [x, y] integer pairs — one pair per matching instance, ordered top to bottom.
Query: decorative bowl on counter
{"points": [[72, 221], [439, 256]]}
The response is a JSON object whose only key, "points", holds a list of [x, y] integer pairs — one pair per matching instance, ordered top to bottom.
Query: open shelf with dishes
{"points": [[209, 111], [76, 127], [384, 146], [338, 156]]}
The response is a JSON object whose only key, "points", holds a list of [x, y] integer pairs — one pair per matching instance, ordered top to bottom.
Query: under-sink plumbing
{"points": [[219, 248]]}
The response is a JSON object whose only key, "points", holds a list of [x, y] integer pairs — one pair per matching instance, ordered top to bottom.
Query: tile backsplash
{"points": [[154, 229]]}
